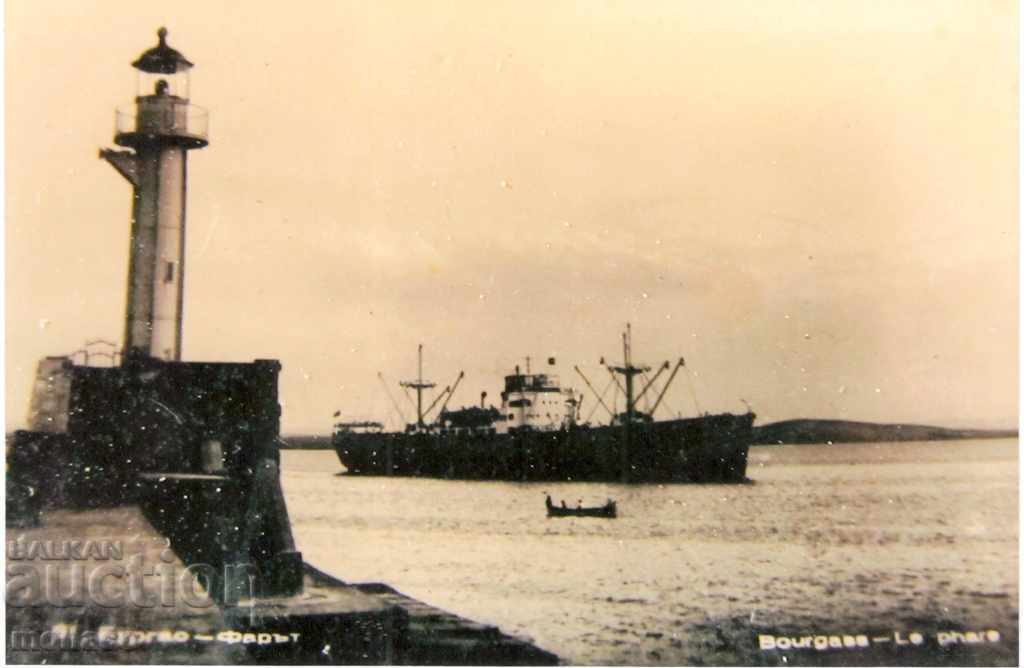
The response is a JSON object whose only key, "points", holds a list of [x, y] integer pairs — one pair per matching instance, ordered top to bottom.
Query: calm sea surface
{"points": [[866, 538]]}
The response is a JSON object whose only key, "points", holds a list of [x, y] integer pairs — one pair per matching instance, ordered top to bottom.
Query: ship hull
{"points": [[711, 448]]}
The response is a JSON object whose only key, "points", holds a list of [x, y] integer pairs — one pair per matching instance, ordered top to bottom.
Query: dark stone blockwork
{"points": [[194, 446]]}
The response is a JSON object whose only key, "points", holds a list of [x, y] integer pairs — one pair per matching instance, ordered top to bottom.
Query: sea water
{"points": [[831, 540]]}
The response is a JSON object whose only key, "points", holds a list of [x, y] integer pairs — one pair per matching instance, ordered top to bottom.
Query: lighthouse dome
{"points": [[162, 59]]}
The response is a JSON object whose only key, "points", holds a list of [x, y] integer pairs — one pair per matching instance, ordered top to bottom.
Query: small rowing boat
{"points": [[608, 510]]}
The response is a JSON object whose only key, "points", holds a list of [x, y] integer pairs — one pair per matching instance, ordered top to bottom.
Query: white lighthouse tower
{"points": [[160, 128]]}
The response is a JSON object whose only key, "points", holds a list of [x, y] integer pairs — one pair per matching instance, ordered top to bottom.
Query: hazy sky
{"points": [[814, 202]]}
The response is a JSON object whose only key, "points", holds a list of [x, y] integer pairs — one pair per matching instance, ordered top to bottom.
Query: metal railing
{"points": [[89, 351]]}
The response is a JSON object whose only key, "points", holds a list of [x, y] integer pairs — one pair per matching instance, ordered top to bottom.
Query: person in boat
{"points": [[547, 501], [563, 503], [579, 503]]}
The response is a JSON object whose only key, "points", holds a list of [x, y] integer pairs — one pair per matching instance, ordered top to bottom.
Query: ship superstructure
{"points": [[536, 402]]}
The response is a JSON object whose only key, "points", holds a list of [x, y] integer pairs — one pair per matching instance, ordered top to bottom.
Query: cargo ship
{"points": [[537, 435]]}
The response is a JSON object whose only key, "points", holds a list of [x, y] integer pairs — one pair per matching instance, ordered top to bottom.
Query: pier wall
{"points": [[184, 456]]}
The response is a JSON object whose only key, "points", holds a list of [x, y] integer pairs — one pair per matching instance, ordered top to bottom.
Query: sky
{"points": [[814, 203]]}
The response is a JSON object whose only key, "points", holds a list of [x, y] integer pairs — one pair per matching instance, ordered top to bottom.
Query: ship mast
{"points": [[628, 371], [419, 385]]}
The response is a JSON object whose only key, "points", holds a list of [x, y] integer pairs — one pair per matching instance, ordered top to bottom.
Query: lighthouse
{"points": [[158, 131]]}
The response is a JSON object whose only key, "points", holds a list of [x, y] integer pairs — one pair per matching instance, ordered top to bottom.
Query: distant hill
{"points": [[844, 431], [305, 442]]}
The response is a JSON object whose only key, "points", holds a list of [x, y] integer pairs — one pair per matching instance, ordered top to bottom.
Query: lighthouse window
{"points": [[169, 273]]}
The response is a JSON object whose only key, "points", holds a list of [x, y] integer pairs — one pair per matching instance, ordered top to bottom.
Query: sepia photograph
{"points": [[652, 333]]}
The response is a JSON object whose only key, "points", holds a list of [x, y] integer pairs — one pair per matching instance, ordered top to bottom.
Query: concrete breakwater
{"points": [[169, 473], [144, 605]]}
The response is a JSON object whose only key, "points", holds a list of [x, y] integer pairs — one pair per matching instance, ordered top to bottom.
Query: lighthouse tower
{"points": [[159, 130]]}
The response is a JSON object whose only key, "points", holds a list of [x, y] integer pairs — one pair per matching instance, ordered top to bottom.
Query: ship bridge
{"points": [[538, 382]]}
